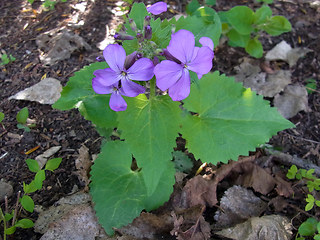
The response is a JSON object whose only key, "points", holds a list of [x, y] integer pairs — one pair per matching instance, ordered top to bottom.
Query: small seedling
{"points": [[5, 59], [311, 85], [22, 117], [25, 202]]}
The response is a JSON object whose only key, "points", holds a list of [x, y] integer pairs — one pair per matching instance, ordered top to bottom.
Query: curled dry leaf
{"points": [[83, 164], [238, 204]]}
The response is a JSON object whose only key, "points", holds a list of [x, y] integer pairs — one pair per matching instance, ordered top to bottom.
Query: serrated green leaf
{"points": [[192, 7], [138, 13], [262, 14], [241, 18], [277, 25], [200, 28], [161, 31], [236, 39], [254, 48], [79, 87], [22, 115], [1, 116], [229, 121], [150, 135], [182, 162], [53, 164], [33, 165], [292, 172], [38, 179], [118, 192], [27, 203], [24, 223], [308, 228], [10, 230]]}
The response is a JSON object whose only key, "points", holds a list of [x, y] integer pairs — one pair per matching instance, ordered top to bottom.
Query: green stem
{"points": [[152, 87], [4, 224]]}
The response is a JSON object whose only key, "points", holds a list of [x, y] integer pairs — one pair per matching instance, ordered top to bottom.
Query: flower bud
{"points": [[146, 20], [132, 25], [147, 32], [123, 36], [139, 36], [169, 56], [100, 58], [130, 60], [155, 61]]}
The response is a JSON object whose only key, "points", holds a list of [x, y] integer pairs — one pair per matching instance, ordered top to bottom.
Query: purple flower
{"points": [[157, 8], [173, 74], [117, 79]]}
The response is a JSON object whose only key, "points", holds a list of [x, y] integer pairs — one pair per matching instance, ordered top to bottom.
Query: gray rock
{"points": [[47, 91], [5, 190]]}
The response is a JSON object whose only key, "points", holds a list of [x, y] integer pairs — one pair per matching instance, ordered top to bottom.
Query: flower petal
{"points": [[157, 8], [206, 42], [181, 45], [115, 56], [202, 63], [141, 70], [167, 74], [107, 77], [100, 88], [131, 89], [181, 89], [117, 103]]}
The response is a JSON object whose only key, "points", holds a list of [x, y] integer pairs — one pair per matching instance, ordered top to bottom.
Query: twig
{"points": [[289, 160], [16, 209]]}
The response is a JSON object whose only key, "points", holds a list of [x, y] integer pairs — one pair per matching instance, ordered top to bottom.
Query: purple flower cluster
{"points": [[182, 55], [173, 74], [117, 79]]}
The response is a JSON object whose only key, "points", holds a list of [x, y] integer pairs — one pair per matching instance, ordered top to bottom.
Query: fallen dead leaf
{"points": [[293, 100], [43, 158], [83, 164], [238, 204], [273, 227]]}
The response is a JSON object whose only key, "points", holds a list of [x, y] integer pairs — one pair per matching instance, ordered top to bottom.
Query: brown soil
{"points": [[19, 29]]}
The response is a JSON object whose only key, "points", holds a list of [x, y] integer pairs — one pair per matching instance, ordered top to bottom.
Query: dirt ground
{"points": [[20, 25]]}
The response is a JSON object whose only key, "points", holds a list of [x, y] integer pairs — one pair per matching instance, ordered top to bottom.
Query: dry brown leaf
{"points": [[83, 164], [251, 175], [283, 188], [190, 224], [148, 225]]}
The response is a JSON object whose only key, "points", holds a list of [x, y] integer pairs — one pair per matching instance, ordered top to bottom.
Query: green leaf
{"points": [[30, 1], [265, 1], [210, 2], [192, 7], [138, 13], [207, 14], [262, 14], [241, 19], [277, 25], [200, 28], [161, 31], [236, 39], [254, 48], [310, 86], [79, 87], [22, 115], [1, 116], [229, 120], [150, 135], [182, 162], [53, 164], [33, 165], [292, 172], [309, 173], [39, 178], [30, 188], [118, 192], [317, 202], [27, 203], [309, 206], [8, 216], [24, 223], [308, 228], [10, 230], [317, 237]]}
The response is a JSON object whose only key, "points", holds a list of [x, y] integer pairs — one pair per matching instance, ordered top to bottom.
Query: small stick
{"points": [[16, 209]]}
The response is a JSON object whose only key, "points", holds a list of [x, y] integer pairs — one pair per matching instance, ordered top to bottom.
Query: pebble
{"points": [[5, 190]]}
